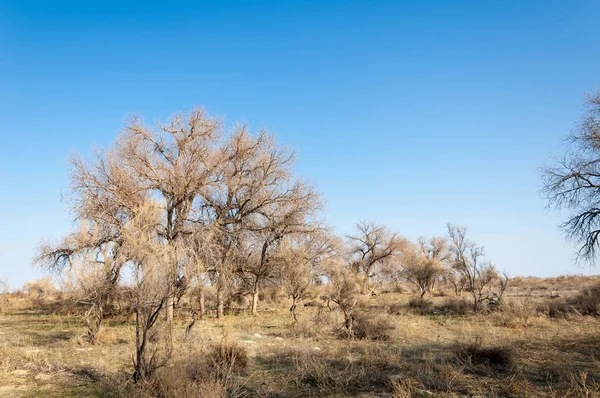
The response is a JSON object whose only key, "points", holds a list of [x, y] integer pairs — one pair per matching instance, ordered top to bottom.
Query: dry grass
{"points": [[533, 346]]}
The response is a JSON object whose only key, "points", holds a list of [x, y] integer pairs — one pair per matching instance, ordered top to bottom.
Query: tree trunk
{"points": [[365, 286], [255, 299], [254, 303], [475, 303], [220, 305], [202, 307], [293, 309], [196, 314], [93, 319], [140, 346]]}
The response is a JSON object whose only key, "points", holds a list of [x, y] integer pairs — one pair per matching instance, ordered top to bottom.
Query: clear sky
{"points": [[407, 113]]}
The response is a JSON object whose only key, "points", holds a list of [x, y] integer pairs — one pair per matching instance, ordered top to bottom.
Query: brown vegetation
{"points": [[517, 350]]}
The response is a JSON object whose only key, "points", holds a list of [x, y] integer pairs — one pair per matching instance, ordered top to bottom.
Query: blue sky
{"points": [[411, 113]]}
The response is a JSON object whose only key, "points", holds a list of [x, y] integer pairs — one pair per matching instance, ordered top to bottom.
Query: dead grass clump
{"points": [[420, 306], [456, 307], [556, 308], [396, 309], [516, 313], [106, 336], [9, 357], [484, 360], [346, 370], [580, 386]]}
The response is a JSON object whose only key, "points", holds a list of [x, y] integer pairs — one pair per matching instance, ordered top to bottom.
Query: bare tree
{"points": [[175, 164], [572, 182], [256, 194], [198, 205], [293, 215], [371, 245], [467, 260], [301, 261], [422, 264], [456, 279], [344, 289]]}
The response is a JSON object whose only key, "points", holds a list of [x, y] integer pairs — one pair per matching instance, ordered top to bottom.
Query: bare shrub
{"points": [[479, 277], [344, 289], [40, 290], [588, 301], [420, 306], [456, 307], [556, 308], [515, 313], [318, 325], [370, 325], [345, 370], [208, 372]]}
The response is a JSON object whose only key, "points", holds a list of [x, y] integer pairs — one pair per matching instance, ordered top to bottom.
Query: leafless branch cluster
{"points": [[572, 182]]}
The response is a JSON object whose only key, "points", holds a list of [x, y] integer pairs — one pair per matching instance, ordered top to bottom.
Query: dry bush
{"points": [[41, 290], [588, 301], [420, 306], [455, 306], [555, 308], [396, 309], [516, 313], [318, 325], [370, 325], [107, 336], [484, 360], [342, 370], [208, 372]]}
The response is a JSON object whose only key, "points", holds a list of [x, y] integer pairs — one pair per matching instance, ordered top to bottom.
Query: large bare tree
{"points": [[572, 182], [257, 199], [177, 203], [369, 246]]}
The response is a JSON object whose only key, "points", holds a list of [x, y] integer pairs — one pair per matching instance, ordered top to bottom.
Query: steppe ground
{"points": [[538, 344]]}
